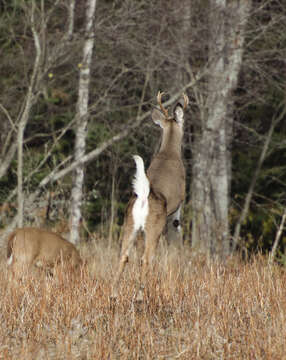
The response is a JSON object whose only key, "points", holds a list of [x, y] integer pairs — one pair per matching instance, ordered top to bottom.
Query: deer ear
{"points": [[179, 114], [158, 117]]}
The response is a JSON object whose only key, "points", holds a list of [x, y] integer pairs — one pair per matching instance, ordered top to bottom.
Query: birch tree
{"points": [[31, 97], [82, 121], [211, 175]]}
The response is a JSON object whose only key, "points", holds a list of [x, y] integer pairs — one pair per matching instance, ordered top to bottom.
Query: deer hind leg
{"points": [[154, 227], [128, 238], [19, 263], [22, 269]]}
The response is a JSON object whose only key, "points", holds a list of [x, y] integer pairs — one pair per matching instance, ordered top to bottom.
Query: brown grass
{"points": [[191, 310]]}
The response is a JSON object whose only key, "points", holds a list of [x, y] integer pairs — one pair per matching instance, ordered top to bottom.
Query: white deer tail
{"points": [[141, 188]]}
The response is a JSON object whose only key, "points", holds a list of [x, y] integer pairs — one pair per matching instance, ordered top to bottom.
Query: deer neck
{"points": [[171, 143]]}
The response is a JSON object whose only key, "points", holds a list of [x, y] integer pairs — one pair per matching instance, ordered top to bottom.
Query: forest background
{"points": [[78, 81]]}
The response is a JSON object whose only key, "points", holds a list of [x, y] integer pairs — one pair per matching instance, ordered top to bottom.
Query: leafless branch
{"points": [[58, 174]]}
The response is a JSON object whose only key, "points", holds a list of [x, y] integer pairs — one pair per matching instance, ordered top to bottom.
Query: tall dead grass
{"points": [[191, 310]]}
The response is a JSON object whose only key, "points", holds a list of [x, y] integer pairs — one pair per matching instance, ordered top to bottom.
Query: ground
{"points": [[191, 310]]}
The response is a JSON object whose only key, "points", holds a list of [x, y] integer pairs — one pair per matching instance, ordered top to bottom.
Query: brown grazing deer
{"points": [[161, 193], [30, 248]]}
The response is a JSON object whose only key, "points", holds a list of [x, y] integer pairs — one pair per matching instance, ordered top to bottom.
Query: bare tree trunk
{"points": [[71, 19], [24, 117], [81, 126], [7, 159], [211, 182], [20, 194], [112, 210], [174, 237]]}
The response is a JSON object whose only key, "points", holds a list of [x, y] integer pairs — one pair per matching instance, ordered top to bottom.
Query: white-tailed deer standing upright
{"points": [[159, 194]]}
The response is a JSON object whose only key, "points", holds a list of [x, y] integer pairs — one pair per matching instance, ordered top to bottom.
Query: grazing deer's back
{"points": [[31, 244]]}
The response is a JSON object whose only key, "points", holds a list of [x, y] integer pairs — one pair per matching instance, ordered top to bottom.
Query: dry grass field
{"points": [[191, 310]]}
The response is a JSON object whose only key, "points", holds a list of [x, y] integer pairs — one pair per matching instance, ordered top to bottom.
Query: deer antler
{"points": [[159, 100], [186, 100]]}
